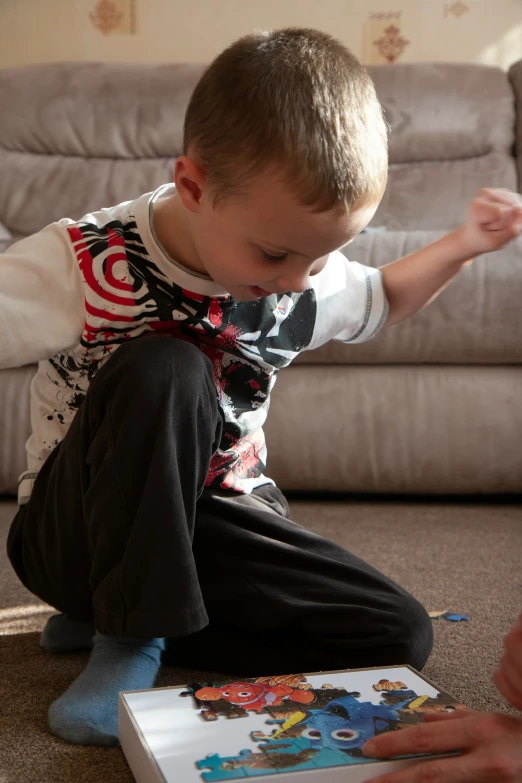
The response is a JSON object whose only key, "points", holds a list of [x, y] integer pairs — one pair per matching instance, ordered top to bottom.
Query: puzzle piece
{"points": [[437, 614], [453, 617], [295, 680], [386, 685], [322, 698], [392, 698], [280, 700], [443, 702], [417, 703], [411, 707], [223, 708], [211, 710], [289, 755], [297, 755], [328, 757], [214, 763], [245, 765]]}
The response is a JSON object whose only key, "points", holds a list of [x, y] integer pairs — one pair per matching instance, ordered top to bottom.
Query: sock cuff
{"points": [[131, 641]]}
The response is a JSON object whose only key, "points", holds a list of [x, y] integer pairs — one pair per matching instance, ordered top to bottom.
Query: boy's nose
{"points": [[295, 275], [295, 280]]}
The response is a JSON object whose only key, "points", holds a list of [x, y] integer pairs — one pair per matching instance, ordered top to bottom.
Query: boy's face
{"points": [[266, 242]]}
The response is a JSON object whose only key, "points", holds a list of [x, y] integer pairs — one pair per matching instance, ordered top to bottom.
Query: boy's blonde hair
{"points": [[295, 100]]}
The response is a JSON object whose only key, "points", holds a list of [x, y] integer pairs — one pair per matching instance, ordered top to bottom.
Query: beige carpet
{"points": [[465, 557]]}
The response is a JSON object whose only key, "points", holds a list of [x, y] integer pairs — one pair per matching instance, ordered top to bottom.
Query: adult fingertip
{"points": [[498, 678], [427, 716], [434, 717], [369, 748]]}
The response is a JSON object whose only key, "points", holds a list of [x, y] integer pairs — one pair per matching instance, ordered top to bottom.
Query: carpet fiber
{"points": [[459, 556]]}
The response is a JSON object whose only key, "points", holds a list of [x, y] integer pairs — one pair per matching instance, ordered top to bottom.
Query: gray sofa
{"points": [[433, 405]]}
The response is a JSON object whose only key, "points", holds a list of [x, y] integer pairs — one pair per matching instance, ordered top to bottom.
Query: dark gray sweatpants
{"points": [[120, 529]]}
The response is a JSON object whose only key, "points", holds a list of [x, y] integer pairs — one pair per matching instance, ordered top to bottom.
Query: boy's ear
{"points": [[190, 182]]}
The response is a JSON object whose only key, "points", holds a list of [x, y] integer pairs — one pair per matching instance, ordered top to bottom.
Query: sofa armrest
{"points": [[515, 77], [6, 238], [15, 424]]}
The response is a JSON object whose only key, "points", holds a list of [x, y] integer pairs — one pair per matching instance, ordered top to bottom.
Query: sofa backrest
{"points": [[452, 132], [75, 137]]}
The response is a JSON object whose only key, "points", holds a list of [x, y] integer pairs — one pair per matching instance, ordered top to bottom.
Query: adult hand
{"points": [[508, 677], [490, 745]]}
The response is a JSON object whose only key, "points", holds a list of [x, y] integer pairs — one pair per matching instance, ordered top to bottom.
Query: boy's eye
{"points": [[272, 257]]}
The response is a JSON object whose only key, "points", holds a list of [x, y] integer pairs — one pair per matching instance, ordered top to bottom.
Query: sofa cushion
{"points": [[39, 189], [360, 429], [396, 429]]}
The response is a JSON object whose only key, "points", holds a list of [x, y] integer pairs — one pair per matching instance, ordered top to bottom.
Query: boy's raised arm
{"points": [[494, 219], [41, 299]]}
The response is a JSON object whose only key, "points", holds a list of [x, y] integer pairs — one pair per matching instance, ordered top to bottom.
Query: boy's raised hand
{"points": [[494, 218]]}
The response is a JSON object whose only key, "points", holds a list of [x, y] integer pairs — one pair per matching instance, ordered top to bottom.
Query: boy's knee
{"points": [[155, 361], [399, 633], [414, 634]]}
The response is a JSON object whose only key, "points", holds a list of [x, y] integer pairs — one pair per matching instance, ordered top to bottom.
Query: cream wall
{"points": [[32, 31]]}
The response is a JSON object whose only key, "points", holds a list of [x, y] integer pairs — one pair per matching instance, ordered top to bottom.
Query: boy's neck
{"points": [[172, 225]]}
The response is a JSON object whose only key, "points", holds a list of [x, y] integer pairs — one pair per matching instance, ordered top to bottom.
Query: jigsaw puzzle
{"points": [[273, 727], [316, 727]]}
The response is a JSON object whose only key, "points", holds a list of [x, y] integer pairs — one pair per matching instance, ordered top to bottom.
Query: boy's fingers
{"points": [[500, 195], [496, 209], [491, 215], [505, 219]]}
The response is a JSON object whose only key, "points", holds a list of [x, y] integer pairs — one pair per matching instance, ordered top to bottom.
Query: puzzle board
{"points": [[302, 727]]}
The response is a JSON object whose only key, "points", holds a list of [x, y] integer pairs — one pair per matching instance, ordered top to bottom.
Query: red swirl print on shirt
{"points": [[127, 296]]}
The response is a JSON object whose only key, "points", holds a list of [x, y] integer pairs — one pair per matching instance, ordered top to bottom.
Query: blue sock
{"points": [[63, 634], [87, 713]]}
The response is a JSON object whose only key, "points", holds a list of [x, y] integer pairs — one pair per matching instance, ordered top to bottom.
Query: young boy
{"points": [[160, 326]]}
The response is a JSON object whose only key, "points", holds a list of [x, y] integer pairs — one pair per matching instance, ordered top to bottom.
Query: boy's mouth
{"points": [[259, 292]]}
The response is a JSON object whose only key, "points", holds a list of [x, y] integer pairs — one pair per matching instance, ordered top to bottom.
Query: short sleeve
{"points": [[41, 298], [351, 302]]}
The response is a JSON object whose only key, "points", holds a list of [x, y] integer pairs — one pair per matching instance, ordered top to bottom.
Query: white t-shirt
{"points": [[71, 294]]}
